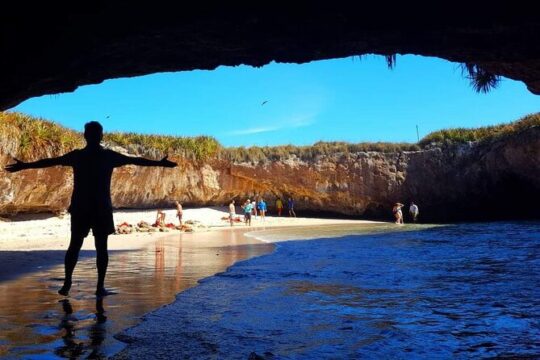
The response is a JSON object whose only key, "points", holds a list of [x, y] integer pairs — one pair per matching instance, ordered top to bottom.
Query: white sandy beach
{"points": [[52, 233], [24, 238]]}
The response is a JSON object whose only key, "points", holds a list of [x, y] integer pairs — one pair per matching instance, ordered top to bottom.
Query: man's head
{"points": [[93, 133]]}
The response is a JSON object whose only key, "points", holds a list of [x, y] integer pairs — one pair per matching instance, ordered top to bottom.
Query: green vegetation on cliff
{"points": [[464, 135], [29, 137], [198, 147], [310, 152]]}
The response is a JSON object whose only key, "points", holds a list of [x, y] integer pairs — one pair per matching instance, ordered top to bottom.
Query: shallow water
{"points": [[457, 291], [37, 323]]}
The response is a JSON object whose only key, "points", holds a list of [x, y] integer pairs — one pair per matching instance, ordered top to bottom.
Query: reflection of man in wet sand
{"points": [[91, 206]]}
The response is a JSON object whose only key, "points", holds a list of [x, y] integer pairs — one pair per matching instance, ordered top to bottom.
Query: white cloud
{"points": [[290, 123], [255, 130]]}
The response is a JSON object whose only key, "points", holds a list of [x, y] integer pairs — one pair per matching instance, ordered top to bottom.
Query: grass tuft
{"points": [[464, 135]]}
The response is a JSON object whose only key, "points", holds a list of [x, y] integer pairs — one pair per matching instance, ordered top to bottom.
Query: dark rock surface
{"points": [[51, 47]]}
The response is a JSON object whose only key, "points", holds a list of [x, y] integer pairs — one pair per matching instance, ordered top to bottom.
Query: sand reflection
{"points": [[36, 322]]}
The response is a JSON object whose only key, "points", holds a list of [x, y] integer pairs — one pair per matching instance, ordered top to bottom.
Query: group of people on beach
{"points": [[91, 205], [258, 208], [398, 213]]}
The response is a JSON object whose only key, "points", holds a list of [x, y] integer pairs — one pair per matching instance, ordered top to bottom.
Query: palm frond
{"points": [[481, 80]]}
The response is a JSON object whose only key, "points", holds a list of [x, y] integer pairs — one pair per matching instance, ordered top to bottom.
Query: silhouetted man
{"points": [[91, 206]]}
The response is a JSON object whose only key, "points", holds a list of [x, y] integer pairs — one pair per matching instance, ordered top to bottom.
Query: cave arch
{"points": [[51, 48]]}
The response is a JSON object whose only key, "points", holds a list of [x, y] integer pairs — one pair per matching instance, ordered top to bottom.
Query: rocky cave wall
{"points": [[491, 180]]}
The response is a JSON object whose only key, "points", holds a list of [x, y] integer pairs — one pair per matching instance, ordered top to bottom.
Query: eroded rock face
{"points": [[50, 47], [496, 180]]}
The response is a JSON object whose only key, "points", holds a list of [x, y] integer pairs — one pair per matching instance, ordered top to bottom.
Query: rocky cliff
{"points": [[495, 179]]}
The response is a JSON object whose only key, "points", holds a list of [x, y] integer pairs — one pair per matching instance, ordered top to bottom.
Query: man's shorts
{"points": [[247, 216], [101, 223]]}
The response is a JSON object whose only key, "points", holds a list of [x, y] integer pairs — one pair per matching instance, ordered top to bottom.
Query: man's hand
{"points": [[167, 163], [19, 165]]}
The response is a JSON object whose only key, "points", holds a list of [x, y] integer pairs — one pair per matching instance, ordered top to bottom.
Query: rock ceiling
{"points": [[53, 47]]}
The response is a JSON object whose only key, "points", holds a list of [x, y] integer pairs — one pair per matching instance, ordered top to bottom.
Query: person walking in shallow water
{"points": [[91, 205]]}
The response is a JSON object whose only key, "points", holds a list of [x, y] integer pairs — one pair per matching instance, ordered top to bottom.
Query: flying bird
{"points": [[264, 102], [108, 116]]}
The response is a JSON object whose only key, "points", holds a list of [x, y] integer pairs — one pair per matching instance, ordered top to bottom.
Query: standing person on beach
{"points": [[91, 205], [290, 205], [279, 206], [254, 207], [262, 208], [248, 209], [413, 211], [179, 212], [232, 212], [398, 214]]}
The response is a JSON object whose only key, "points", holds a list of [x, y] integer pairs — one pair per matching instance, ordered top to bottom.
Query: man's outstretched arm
{"points": [[140, 161], [43, 163]]}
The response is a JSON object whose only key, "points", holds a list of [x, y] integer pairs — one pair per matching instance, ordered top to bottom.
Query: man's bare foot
{"points": [[64, 290], [101, 292]]}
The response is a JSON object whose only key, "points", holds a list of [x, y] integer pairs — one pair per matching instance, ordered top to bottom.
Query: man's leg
{"points": [[70, 260], [102, 262]]}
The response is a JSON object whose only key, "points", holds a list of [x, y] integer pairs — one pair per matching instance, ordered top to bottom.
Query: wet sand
{"points": [[145, 272]]}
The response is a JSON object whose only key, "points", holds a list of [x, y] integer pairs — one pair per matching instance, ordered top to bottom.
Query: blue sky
{"points": [[346, 99]]}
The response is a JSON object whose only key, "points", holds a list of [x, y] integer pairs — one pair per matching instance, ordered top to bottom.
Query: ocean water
{"points": [[389, 292]]}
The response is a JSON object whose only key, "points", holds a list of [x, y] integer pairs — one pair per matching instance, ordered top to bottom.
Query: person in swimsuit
{"points": [[290, 204], [91, 205], [279, 206], [254, 208], [262, 208], [248, 209], [413, 211], [179, 212], [232, 212], [398, 214], [160, 218]]}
